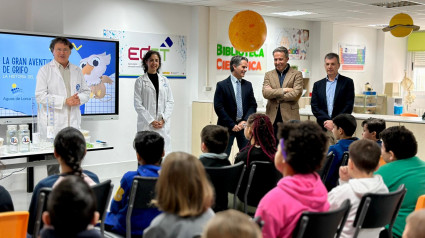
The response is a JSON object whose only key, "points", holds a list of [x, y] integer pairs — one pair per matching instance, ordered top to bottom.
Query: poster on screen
{"points": [[133, 45], [352, 57]]}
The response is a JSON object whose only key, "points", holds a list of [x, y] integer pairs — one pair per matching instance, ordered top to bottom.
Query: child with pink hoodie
{"points": [[300, 153]]}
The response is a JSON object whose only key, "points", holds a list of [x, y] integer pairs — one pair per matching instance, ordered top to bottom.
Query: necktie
{"points": [[239, 111]]}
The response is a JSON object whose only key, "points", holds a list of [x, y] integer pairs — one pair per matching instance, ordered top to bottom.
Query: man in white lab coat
{"points": [[63, 83]]}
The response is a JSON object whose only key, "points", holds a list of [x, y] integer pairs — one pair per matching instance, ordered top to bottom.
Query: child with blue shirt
{"points": [[344, 126], [372, 127], [149, 147]]}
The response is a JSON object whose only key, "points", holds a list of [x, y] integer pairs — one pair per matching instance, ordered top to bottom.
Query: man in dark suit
{"points": [[332, 95], [234, 102]]}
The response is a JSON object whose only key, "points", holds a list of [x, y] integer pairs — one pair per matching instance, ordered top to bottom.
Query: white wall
{"points": [[360, 36]]}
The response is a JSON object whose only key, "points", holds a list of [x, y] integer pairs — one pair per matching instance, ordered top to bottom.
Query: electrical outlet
{"points": [[207, 88]]}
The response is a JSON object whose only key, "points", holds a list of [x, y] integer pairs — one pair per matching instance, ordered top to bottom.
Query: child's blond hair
{"points": [[183, 188], [231, 224]]}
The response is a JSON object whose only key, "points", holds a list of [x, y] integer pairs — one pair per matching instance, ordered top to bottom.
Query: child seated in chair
{"points": [[372, 127], [343, 130], [214, 140], [149, 146], [261, 147], [69, 150], [300, 153], [355, 180], [184, 195], [71, 211], [231, 224], [415, 225]]}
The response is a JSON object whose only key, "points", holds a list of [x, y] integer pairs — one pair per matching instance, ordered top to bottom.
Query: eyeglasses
{"points": [[65, 50], [282, 148]]}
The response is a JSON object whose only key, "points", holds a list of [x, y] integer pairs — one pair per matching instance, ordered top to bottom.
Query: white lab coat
{"points": [[50, 85], [145, 106]]}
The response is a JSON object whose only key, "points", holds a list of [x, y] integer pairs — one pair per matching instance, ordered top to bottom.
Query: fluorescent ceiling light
{"points": [[292, 13], [378, 25]]}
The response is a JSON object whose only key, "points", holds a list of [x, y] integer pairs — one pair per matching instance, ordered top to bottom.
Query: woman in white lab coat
{"points": [[50, 86], [153, 99]]}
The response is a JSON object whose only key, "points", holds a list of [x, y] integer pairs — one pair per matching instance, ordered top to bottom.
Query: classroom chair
{"points": [[226, 179], [420, 204], [378, 210], [14, 224], [322, 224]]}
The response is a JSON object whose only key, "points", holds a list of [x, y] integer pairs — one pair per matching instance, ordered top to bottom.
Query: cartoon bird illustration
{"points": [[93, 68]]}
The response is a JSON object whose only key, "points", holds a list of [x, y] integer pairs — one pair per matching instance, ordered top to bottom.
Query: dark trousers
{"points": [[275, 124], [240, 138]]}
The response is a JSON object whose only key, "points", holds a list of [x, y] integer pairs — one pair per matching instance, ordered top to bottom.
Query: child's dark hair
{"points": [[62, 40], [147, 56], [347, 122], [375, 125], [263, 134], [215, 138], [400, 141], [70, 145], [149, 145], [305, 145], [365, 154], [71, 206]]}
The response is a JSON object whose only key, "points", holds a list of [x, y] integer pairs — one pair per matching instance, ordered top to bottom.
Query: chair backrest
{"points": [[345, 157], [324, 171], [263, 177], [226, 179], [102, 192], [141, 194], [420, 204], [41, 207], [378, 210], [14, 224], [322, 224]]}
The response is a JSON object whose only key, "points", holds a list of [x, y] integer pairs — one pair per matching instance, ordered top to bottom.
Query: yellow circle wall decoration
{"points": [[401, 19], [247, 31]]}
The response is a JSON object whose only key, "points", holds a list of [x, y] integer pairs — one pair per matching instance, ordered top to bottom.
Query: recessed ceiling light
{"points": [[292, 13]]}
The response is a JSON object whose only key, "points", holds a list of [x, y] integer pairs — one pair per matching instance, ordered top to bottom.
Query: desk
{"points": [[36, 158]]}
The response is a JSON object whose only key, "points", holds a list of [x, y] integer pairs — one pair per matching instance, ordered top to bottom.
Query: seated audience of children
{"points": [[371, 129], [343, 130], [214, 140], [149, 146], [399, 148], [69, 150], [300, 153], [355, 180], [185, 196], [71, 211], [231, 224]]}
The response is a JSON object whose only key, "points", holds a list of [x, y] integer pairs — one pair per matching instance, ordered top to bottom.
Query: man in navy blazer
{"points": [[332, 95], [225, 104]]}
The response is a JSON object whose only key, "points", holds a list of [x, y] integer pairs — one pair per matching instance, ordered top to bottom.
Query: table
{"points": [[36, 158]]}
